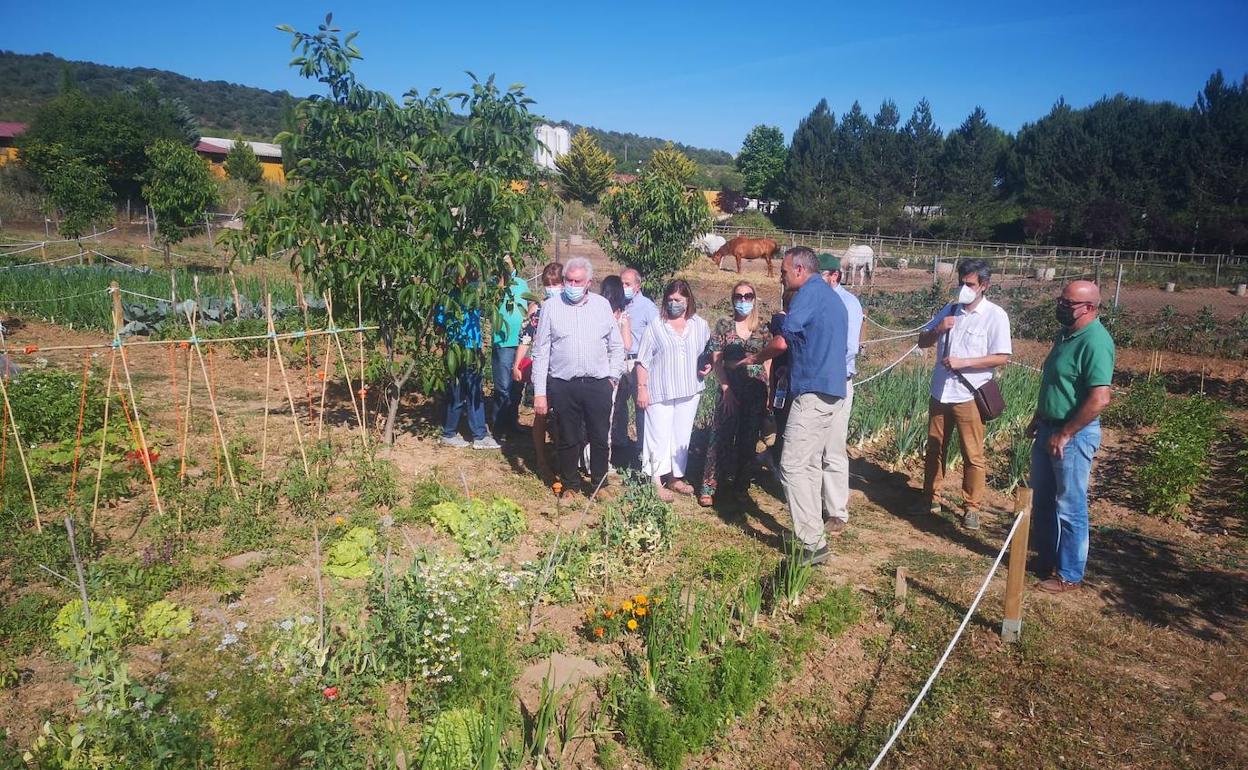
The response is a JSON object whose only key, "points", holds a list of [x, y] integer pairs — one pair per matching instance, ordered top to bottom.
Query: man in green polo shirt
{"points": [[1074, 389]]}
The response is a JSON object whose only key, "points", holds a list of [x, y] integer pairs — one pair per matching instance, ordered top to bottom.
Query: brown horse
{"points": [[747, 248]]}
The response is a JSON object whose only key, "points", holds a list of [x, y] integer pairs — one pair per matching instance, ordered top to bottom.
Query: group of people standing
{"points": [[595, 359]]}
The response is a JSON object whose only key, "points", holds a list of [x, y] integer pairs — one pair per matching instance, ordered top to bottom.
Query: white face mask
{"points": [[967, 295]]}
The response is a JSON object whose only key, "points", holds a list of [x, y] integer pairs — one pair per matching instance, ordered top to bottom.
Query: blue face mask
{"points": [[552, 292], [628, 293], [573, 294], [744, 308]]}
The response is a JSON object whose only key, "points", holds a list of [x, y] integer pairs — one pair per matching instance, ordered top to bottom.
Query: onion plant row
{"points": [[78, 296]]}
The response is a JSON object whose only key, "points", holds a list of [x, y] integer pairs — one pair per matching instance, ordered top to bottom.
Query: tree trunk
{"points": [[168, 257]]}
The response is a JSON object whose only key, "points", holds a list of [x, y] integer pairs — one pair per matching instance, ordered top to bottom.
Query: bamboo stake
{"points": [[238, 302], [359, 309], [307, 350], [342, 357], [281, 365], [323, 373], [268, 382], [212, 398], [108, 399], [82, 413], [186, 416], [21, 454], [147, 456], [1012, 623]]}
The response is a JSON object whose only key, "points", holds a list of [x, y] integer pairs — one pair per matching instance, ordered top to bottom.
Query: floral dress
{"points": [[733, 435]]}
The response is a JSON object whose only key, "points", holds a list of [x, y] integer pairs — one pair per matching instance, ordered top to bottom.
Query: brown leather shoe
{"points": [[1056, 585]]}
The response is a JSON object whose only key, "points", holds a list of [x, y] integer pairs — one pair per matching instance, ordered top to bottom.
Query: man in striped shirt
{"points": [[578, 357]]}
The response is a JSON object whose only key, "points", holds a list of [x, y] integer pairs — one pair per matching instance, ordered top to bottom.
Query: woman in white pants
{"points": [[669, 386]]}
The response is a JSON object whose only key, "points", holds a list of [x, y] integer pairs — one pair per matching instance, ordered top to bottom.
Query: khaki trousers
{"points": [[941, 420], [809, 437], [836, 461]]}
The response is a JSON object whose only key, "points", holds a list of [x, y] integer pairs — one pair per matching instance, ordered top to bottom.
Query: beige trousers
{"points": [[809, 437]]}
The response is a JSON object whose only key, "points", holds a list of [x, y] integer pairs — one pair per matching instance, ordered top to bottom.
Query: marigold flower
{"points": [[31, 349], [339, 521], [641, 599], [627, 606], [640, 612], [608, 614], [632, 624], [599, 631], [330, 693]]}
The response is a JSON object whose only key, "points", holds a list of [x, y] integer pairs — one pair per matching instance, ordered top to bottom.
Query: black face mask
{"points": [[1065, 315]]}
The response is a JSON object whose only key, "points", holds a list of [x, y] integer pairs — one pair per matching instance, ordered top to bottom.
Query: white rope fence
{"points": [[37, 244], [886, 369], [952, 643]]}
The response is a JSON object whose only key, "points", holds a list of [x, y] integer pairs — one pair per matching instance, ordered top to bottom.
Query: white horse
{"points": [[709, 243], [858, 259]]}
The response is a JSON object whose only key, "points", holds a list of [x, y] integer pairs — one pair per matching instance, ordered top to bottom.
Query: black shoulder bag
{"points": [[988, 398]]}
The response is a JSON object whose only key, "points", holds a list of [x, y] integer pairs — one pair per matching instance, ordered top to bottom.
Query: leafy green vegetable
{"points": [[478, 527], [350, 557], [165, 620], [111, 621], [453, 740]]}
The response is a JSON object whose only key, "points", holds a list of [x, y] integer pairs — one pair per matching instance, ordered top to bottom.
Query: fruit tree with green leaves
{"points": [[761, 161], [585, 170], [180, 189], [80, 194], [411, 205], [651, 222]]}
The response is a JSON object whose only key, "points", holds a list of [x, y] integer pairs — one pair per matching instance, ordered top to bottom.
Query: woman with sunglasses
{"points": [[669, 386], [742, 395]]}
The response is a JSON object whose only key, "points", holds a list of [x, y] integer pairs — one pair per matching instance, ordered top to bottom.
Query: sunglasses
{"points": [[743, 297], [1063, 302]]}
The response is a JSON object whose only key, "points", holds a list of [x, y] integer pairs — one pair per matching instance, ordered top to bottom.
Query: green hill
{"points": [[27, 81]]}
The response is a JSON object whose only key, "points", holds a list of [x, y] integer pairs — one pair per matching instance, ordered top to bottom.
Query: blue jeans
{"points": [[507, 392], [465, 393], [1059, 504]]}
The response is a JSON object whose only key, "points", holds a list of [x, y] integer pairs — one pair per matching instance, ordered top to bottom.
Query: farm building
{"points": [[8, 137], [552, 141], [215, 149]]}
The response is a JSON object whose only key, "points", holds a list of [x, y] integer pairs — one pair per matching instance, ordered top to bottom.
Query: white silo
{"points": [[552, 141]]}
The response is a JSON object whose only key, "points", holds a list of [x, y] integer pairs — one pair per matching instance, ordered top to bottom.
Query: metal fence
{"points": [[1057, 262]]}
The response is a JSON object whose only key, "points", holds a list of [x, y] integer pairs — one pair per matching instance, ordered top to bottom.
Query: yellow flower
{"points": [[339, 521], [640, 599], [627, 606], [640, 612], [632, 624]]}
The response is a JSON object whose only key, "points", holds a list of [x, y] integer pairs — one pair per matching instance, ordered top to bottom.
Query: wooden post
{"points": [[114, 288], [238, 303], [1012, 624]]}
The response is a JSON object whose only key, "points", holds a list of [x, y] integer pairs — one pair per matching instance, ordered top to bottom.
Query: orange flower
{"points": [[31, 349], [320, 375], [339, 521], [641, 599], [627, 606], [640, 612], [608, 614], [632, 624], [599, 631]]}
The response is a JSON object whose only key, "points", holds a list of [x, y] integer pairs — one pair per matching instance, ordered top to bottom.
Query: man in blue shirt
{"points": [[641, 312], [814, 332], [464, 392]]}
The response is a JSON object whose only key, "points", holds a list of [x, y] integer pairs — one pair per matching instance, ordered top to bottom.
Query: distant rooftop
{"points": [[12, 130], [214, 145]]}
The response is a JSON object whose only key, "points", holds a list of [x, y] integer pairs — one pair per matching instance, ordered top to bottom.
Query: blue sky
{"points": [[700, 73]]}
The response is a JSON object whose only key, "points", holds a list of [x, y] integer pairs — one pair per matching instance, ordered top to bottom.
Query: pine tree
{"points": [[922, 143], [761, 161], [241, 163], [672, 163], [585, 170], [971, 170], [810, 173], [883, 177], [851, 199]]}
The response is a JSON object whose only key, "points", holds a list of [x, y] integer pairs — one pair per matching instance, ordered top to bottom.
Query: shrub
{"points": [[754, 220], [44, 404], [1140, 406], [1177, 455], [24, 624]]}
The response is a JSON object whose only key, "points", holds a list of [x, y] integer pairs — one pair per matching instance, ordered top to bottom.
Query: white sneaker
{"points": [[457, 441], [486, 443]]}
